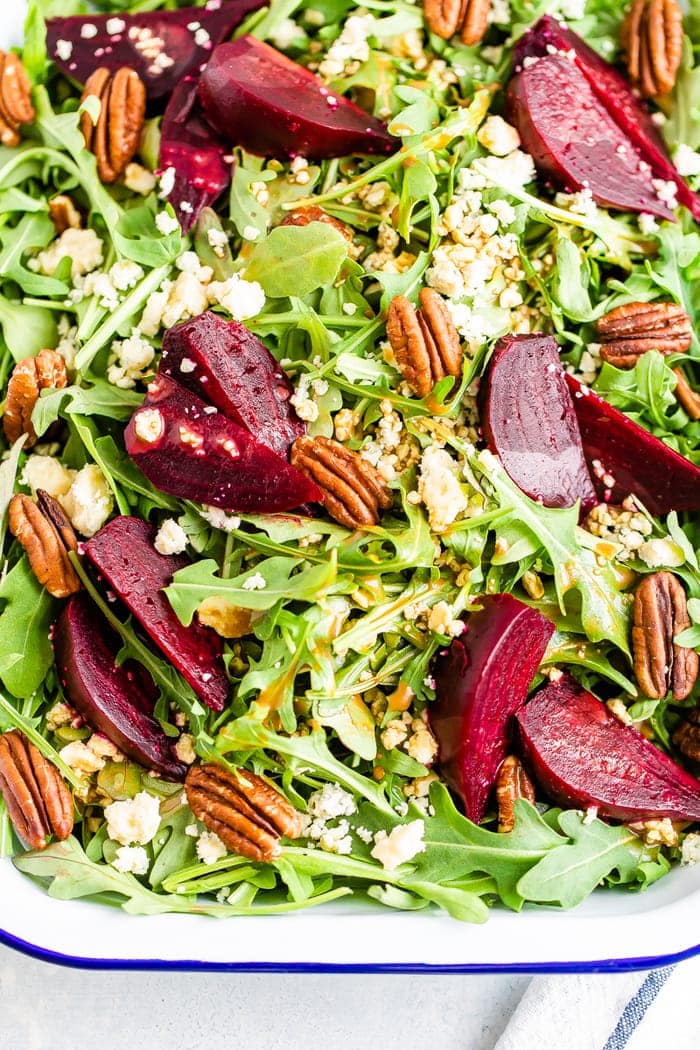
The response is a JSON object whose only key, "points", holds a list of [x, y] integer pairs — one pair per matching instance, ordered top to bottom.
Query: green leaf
{"points": [[683, 124], [247, 214], [32, 231], [137, 237], [295, 260], [571, 281], [26, 329], [100, 399], [8, 475], [25, 623], [354, 724], [569, 873]]}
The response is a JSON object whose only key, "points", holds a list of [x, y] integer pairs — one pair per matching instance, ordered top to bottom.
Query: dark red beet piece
{"points": [[184, 38], [257, 98], [628, 112], [575, 141], [194, 152], [229, 367], [529, 421], [189, 449], [637, 461], [123, 553], [480, 682], [106, 695], [582, 756]]}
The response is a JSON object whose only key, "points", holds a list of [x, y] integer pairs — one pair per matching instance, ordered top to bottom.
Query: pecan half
{"points": [[469, 17], [652, 40], [15, 99], [114, 139], [314, 213], [64, 214], [631, 330], [425, 341], [46, 371], [688, 398], [354, 492], [46, 535], [660, 613], [687, 736], [512, 782], [38, 802], [247, 813]]}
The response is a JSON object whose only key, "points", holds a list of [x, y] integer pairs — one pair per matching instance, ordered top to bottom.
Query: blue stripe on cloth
{"points": [[634, 1012]]}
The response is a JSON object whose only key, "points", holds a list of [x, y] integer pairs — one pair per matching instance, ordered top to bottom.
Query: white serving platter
{"points": [[614, 930]]}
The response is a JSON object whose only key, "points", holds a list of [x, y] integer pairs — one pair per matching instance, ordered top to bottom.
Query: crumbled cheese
{"points": [[573, 9], [115, 26], [286, 34], [351, 47], [64, 49], [498, 137], [687, 160], [517, 169], [139, 179], [166, 182], [666, 191], [166, 223], [647, 224], [218, 242], [82, 247], [189, 262], [125, 274], [100, 285], [187, 297], [242, 299], [130, 359], [304, 405], [344, 423], [148, 425], [47, 473], [439, 488], [88, 502], [219, 519], [171, 538], [659, 552], [256, 582], [441, 620], [618, 708], [58, 716], [394, 734], [422, 746], [102, 747], [184, 749], [81, 758], [331, 801], [133, 820], [659, 832], [336, 839], [402, 844], [210, 848], [690, 850], [132, 860]]}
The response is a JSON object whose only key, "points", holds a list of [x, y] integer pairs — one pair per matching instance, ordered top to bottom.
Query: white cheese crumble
{"points": [[351, 47], [64, 49], [498, 137], [687, 161], [139, 179], [166, 223], [218, 242], [82, 247], [242, 299], [149, 425], [47, 473], [439, 488], [88, 502], [220, 519], [171, 538], [661, 552], [256, 582], [442, 620], [58, 716], [184, 749], [81, 758], [331, 801], [133, 820], [402, 844], [210, 848], [690, 850], [132, 860]]}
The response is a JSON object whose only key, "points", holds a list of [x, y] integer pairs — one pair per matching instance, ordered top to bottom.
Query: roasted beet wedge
{"points": [[162, 46], [257, 98], [628, 112], [574, 140], [195, 154], [226, 365], [529, 421], [618, 448], [189, 449], [123, 553], [480, 682], [108, 696], [582, 756]]}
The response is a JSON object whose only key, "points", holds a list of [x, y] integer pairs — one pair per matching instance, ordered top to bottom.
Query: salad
{"points": [[351, 452]]}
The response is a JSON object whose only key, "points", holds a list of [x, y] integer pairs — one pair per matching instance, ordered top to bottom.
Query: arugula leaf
{"points": [[32, 231], [295, 260], [26, 329], [99, 399], [8, 475], [25, 624]]}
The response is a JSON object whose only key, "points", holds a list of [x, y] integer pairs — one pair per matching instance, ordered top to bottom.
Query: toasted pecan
{"points": [[468, 17], [652, 40], [15, 98], [114, 138], [314, 213], [631, 330], [425, 342], [46, 371], [687, 397], [354, 492], [47, 536], [660, 613], [687, 735], [512, 783], [38, 802], [247, 813]]}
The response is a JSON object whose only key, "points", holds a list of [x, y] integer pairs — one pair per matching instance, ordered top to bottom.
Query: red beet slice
{"points": [[162, 46], [257, 98], [628, 112], [575, 141], [194, 152], [226, 365], [529, 421], [617, 448], [192, 451], [123, 553], [480, 682], [108, 696], [582, 756]]}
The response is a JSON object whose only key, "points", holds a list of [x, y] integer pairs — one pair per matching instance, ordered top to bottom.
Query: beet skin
{"points": [[528, 417], [124, 554], [480, 683], [108, 696], [583, 756]]}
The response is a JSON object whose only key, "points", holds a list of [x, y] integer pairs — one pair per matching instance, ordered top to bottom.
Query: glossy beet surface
{"points": [[162, 46], [259, 99], [628, 111], [574, 140], [195, 154], [226, 365], [528, 418], [617, 447], [191, 450], [123, 553], [480, 682], [108, 696], [582, 756]]}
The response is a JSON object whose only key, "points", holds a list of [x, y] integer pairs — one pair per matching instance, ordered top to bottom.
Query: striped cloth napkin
{"points": [[625, 1011]]}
